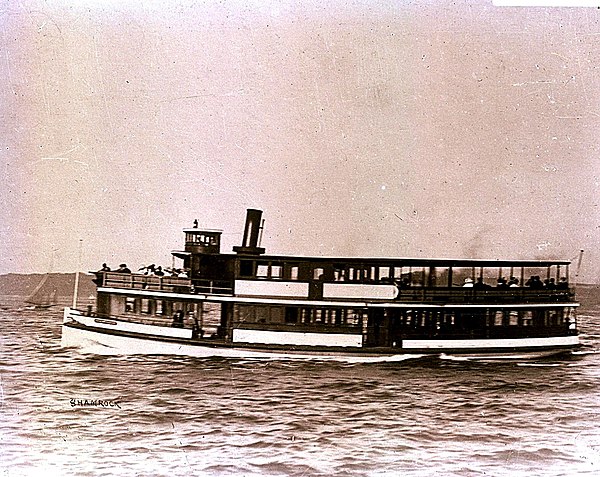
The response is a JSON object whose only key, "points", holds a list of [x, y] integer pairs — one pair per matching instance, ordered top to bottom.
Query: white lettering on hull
{"points": [[271, 288], [350, 290], [297, 338], [482, 344]]}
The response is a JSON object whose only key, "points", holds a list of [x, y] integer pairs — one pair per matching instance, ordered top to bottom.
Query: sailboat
{"points": [[39, 299]]}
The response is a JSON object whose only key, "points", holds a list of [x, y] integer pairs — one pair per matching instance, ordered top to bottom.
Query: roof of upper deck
{"points": [[405, 261]]}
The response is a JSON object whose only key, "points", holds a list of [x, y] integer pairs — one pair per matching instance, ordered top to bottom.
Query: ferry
{"points": [[247, 304]]}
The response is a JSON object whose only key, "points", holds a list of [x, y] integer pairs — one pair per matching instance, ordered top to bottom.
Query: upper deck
{"points": [[249, 273], [368, 280]]}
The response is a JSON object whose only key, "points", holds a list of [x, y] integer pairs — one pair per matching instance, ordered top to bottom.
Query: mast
{"points": [[578, 266], [76, 287]]}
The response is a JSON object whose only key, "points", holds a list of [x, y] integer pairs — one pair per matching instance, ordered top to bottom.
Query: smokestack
{"points": [[251, 234]]}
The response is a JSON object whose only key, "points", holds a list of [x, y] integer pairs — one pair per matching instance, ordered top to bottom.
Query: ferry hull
{"points": [[77, 332], [102, 343]]}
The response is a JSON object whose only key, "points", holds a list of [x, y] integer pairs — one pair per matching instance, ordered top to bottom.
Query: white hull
{"points": [[120, 339], [105, 344]]}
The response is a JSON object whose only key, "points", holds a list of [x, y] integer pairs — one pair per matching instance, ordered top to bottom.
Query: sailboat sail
{"points": [[39, 299]]}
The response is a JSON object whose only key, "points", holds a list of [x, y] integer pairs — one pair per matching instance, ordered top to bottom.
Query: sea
{"points": [[64, 413]]}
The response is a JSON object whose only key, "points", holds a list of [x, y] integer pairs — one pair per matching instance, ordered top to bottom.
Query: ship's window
{"points": [[246, 268], [262, 270], [276, 271], [294, 272], [339, 273], [318, 274], [384, 274], [130, 305], [159, 307], [145, 308], [246, 313], [262, 314], [277, 314], [291, 314], [305, 315], [318, 316], [354, 317], [338, 318], [540, 318], [552, 318], [570, 318], [448, 319], [499, 319]]}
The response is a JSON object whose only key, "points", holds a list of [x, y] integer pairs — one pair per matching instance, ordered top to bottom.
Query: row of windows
{"points": [[201, 239], [405, 276], [149, 306], [300, 315], [399, 318], [487, 318]]}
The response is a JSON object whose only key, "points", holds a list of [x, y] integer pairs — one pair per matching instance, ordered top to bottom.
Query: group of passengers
{"points": [[122, 268], [151, 269], [534, 283]]}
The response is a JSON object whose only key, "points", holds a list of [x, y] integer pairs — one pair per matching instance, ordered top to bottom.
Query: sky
{"points": [[361, 128]]}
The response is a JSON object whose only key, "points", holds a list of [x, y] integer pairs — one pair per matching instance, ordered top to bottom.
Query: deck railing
{"points": [[136, 281], [432, 295], [488, 295]]}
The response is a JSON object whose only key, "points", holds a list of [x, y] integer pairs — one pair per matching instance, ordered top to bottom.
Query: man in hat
{"points": [[123, 269]]}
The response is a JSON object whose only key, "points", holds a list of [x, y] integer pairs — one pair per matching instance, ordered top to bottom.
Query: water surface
{"points": [[177, 416]]}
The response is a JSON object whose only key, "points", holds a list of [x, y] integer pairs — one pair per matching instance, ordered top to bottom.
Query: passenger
{"points": [[195, 223], [105, 268], [123, 268], [149, 270], [159, 272], [182, 273], [513, 282], [468, 283], [502, 283], [535, 283], [550, 284], [563, 284], [480, 285], [177, 319], [191, 320]]}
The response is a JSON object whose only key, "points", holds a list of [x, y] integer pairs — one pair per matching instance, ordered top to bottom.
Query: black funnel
{"points": [[251, 234]]}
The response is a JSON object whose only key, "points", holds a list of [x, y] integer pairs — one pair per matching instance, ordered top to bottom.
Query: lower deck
{"points": [[341, 325], [108, 336]]}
